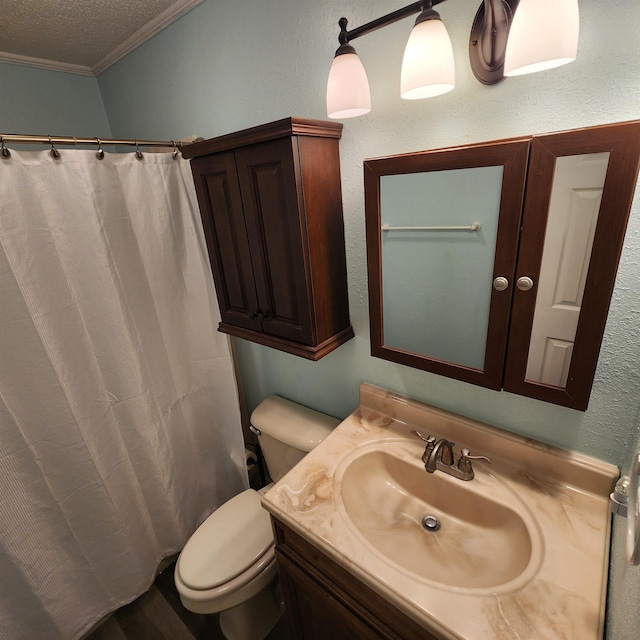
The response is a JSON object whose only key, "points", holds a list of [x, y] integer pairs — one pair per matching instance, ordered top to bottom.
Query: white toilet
{"points": [[228, 565]]}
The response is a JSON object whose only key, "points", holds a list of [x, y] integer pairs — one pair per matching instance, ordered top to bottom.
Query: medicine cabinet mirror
{"points": [[494, 263]]}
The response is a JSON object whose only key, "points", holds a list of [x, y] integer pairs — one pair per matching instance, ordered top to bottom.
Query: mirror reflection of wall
{"points": [[425, 271]]}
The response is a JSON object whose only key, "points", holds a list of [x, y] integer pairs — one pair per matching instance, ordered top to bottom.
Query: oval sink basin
{"points": [[481, 543]]}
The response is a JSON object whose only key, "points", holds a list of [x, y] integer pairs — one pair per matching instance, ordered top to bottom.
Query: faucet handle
{"points": [[429, 439], [431, 443], [464, 464]]}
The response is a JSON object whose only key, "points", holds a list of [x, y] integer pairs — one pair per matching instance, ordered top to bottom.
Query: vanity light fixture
{"points": [[544, 35], [508, 37], [428, 67], [348, 92]]}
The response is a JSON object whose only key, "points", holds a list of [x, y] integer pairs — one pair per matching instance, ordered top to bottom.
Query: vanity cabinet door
{"points": [[271, 206], [323, 601], [314, 613]]}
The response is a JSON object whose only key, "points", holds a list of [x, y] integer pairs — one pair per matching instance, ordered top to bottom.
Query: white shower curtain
{"points": [[119, 421]]}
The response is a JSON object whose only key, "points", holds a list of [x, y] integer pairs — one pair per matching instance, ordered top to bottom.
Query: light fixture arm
{"points": [[488, 35], [347, 36], [493, 38]]}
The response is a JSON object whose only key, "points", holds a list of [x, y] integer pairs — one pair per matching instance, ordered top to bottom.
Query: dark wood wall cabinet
{"points": [[271, 206], [323, 600]]}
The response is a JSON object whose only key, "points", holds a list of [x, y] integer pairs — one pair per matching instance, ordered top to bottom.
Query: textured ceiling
{"points": [[82, 32]]}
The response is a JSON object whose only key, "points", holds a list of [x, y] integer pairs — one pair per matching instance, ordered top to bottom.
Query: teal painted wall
{"points": [[231, 64], [42, 102]]}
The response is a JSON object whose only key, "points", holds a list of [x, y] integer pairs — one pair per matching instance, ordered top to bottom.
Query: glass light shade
{"points": [[543, 35], [428, 67], [348, 92]]}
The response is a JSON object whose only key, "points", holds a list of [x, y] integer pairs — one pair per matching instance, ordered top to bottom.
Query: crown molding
{"points": [[157, 24], [41, 63]]}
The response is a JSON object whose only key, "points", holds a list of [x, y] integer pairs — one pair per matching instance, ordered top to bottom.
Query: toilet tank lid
{"points": [[291, 423], [227, 543]]}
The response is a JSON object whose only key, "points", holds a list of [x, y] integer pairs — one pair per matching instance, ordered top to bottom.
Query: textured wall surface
{"points": [[231, 64], [36, 101]]}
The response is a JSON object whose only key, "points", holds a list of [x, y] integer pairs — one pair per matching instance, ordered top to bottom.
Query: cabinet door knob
{"points": [[500, 283], [525, 283]]}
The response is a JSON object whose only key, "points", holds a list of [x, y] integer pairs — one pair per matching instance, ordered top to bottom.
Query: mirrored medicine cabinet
{"points": [[494, 263]]}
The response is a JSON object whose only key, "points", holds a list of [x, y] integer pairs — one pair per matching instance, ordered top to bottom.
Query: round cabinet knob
{"points": [[500, 283], [525, 283]]}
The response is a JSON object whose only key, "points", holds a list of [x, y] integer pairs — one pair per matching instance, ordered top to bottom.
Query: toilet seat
{"points": [[232, 543], [232, 593]]}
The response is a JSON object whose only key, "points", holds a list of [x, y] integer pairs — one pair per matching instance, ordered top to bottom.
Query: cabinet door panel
{"points": [[226, 235], [276, 238], [587, 292], [415, 312], [323, 600], [317, 614]]}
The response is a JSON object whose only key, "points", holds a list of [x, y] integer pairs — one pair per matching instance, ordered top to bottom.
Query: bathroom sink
{"points": [[431, 525], [521, 550]]}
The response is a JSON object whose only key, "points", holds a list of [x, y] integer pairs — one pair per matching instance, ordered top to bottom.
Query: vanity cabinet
{"points": [[271, 207], [518, 298], [323, 600]]}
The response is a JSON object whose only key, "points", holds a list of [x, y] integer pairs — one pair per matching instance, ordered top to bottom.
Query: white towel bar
{"points": [[476, 226]]}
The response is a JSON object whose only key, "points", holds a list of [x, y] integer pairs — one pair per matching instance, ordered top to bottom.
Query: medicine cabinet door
{"points": [[579, 193], [442, 238]]}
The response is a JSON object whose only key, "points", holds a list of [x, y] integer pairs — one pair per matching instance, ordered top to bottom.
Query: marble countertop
{"points": [[561, 496]]}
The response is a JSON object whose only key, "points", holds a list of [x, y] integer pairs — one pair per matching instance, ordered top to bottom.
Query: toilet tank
{"points": [[287, 432]]}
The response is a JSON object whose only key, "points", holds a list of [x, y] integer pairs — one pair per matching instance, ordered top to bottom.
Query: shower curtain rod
{"points": [[24, 139], [72, 140]]}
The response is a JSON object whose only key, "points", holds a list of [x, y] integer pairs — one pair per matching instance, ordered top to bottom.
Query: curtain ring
{"points": [[3, 150], [54, 152], [99, 152], [138, 152], [175, 153]]}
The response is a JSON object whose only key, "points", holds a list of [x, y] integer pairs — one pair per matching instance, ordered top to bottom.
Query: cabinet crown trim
{"points": [[287, 127]]}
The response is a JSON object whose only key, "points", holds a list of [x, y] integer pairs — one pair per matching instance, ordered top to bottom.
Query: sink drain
{"points": [[431, 523]]}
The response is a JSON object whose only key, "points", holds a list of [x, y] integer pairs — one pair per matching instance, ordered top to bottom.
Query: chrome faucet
{"points": [[442, 452], [438, 454]]}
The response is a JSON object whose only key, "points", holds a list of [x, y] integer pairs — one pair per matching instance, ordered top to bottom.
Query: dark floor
{"points": [[159, 615]]}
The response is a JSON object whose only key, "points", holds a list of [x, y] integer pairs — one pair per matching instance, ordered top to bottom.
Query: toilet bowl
{"points": [[228, 565]]}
